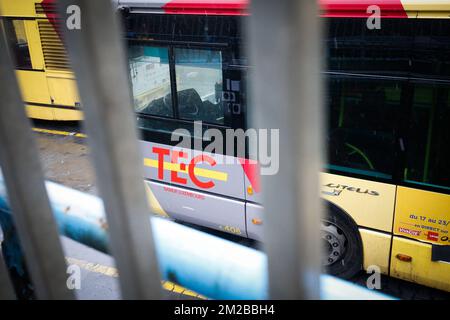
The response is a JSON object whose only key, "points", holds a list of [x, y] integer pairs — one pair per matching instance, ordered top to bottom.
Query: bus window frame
{"points": [[6, 29], [171, 46], [173, 64], [412, 82], [406, 107], [143, 114], [402, 132], [399, 133], [160, 137]]}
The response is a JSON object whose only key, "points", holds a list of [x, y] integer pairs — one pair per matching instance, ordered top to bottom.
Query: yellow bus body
{"points": [[48, 89], [381, 220]]}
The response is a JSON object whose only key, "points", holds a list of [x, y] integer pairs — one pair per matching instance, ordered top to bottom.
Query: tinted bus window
{"points": [[211, 29], [15, 31], [352, 47], [431, 50], [201, 59], [150, 80], [199, 84], [362, 125], [428, 152]]}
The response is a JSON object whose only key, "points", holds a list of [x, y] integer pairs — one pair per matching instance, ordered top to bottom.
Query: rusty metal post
{"points": [[285, 51], [98, 58], [19, 159]]}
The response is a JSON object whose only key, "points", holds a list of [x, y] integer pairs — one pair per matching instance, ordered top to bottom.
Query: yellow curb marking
{"points": [[61, 133], [112, 272]]}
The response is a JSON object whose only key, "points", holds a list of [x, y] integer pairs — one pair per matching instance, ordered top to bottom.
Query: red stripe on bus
{"points": [[49, 7], [217, 7], [329, 8], [358, 9], [251, 170]]}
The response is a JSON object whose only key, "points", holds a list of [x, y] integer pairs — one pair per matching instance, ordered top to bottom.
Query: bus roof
{"points": [[330, 8]]}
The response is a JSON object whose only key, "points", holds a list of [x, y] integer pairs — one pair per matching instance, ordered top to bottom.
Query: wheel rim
{"points": [[334, 242]]}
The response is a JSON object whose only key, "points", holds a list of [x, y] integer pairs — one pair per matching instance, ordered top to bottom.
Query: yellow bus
{"points": [[47, 83], [388, 133], [387, 181]]}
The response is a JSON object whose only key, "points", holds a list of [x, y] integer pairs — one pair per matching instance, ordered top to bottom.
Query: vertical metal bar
{"points": [[285, 51], [99, 61], [19, 159], [6, 289]]}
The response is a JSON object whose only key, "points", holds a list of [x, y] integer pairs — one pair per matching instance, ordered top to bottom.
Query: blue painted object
{"points": [[211, 266]]}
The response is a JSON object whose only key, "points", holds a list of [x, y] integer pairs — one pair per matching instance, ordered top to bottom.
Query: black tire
{"points": [[350, 261]]}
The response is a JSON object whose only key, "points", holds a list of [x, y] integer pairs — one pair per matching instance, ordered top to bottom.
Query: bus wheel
{"points": [[342, 253]]}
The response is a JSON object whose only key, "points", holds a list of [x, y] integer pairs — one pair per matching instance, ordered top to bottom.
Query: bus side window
{"points": [[17, 40], [150, 80], [199, 84], [362, 125], [428, 151]]}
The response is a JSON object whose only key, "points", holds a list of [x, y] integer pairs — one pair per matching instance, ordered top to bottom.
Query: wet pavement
{"points": [[65, 159]]}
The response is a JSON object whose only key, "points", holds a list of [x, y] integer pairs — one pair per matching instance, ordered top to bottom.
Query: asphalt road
{"points": [[65, 158]]}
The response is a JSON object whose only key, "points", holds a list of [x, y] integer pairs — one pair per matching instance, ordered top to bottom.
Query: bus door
{"points": [[362, 124], [421, 245]]}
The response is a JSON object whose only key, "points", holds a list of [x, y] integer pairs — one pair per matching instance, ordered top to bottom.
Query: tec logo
{"points": [[175, 167], [433, 236]]}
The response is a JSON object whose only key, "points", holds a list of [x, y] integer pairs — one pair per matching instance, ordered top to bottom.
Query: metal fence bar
{"points": [[284, 39], [98, 58], [19, 159], [212, 266], [6, 289]]}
